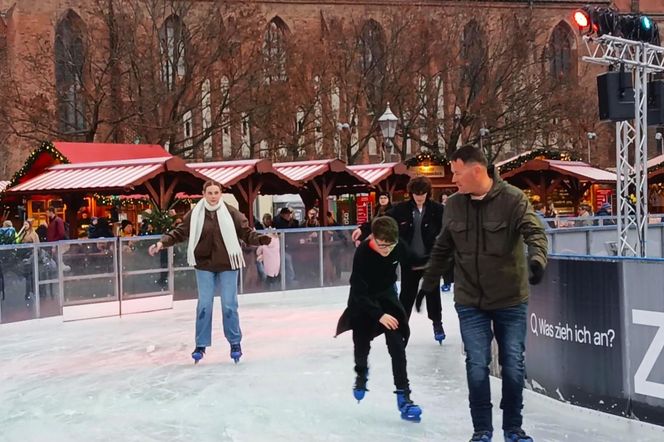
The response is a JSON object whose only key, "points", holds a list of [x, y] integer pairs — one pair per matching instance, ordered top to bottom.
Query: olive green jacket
{"points": [[482, 241]]}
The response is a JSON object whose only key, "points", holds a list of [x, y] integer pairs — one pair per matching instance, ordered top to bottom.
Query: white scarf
{"points": [[226, 226]]}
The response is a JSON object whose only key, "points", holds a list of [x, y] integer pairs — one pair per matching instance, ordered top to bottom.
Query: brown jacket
{"points": [[210, 252]]}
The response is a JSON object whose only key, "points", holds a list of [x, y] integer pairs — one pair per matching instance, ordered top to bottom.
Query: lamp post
{"points": [[388, 126], [340, 128], [484, 132], [591, 136], [660, 143]]}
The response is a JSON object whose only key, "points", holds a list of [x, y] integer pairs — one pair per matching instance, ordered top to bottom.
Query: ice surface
{"points": [[132, 379]]}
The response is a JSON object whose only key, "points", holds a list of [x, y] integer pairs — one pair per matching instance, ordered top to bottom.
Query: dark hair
{"points": [[470, 154], [209, 183], [419, 185], [538, 206], [51, 209], [125, 223], [385, 228]]}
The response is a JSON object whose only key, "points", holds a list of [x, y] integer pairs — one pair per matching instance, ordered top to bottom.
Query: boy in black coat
{"points": [[420, 220], [374, 309]]}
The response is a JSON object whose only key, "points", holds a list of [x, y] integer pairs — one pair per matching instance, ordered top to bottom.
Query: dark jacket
{"points": [[402, 212], [280, 222], [484, 241], [210, 252], [372, 291]]}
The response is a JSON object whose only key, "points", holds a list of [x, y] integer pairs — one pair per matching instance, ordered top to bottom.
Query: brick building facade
{"points": [[30, 26]]}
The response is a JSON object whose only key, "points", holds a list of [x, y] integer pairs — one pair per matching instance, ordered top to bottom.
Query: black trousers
{"points": [[410, 283], [396, 346]]}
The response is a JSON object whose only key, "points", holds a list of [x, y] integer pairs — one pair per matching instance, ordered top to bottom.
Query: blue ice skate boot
{"points": [[445, 287], [438, 332], [236, 352], [198, 354], [360, 388], [409, 411], [517, 435], [481, 436]]}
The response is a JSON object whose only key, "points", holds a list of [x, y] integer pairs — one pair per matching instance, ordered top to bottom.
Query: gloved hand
{"points": [[264, 240], [535, 272], [419, 298]]}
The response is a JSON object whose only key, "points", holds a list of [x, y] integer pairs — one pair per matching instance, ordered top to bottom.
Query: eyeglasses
{"points": [[386, 246]]}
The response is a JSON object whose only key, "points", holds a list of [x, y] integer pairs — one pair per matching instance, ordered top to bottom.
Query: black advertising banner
{"points": [[574, 342]]}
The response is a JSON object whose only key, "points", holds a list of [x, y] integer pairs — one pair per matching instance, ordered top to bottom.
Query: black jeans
{"points": [[410, 282], [396, 346]]}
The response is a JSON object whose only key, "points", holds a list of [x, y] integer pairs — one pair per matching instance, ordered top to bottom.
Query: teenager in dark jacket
{"points": [[419, 220], [373, 309]]}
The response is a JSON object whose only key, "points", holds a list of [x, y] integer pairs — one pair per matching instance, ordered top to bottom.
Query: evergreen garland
{"points": [[46, 147], [547, 154], [431, 157]]}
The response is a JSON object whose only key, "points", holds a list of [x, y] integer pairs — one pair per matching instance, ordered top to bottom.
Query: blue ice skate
{"points": [[445, 287], [439, 332], [236, 352], [198, 354], [360, 388], [409, 411], [517, 435], [481, 436]]}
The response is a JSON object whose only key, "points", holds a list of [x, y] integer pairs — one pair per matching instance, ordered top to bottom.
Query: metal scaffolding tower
{"points": [[632, 176]]}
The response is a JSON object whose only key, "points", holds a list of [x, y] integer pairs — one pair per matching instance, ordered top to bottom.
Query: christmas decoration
{"points": [[46, 148], [546, 154], [426, 157], [121, 200]]}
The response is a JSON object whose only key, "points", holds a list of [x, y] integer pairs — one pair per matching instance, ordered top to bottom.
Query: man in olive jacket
{"points": [[485, 225]]}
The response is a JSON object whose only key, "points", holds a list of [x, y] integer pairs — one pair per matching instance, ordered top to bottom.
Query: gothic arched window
{"points": [[172, 47], [274, 50], [560, 52], [474, 55], [372, 62], [69, 63]]}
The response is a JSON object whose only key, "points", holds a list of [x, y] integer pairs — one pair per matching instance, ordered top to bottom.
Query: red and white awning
{"points": [[375, 173]]}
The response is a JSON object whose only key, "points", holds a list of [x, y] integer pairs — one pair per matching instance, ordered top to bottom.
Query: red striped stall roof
{"points": [[303, 171], [230, 173], [375, 173], [94, 176], [3, 185]]}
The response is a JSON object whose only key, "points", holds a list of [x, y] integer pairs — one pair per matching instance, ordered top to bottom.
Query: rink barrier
{"points": [[91, 278], [596, 334]]}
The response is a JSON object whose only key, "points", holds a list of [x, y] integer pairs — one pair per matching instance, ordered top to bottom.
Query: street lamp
{"points": [[388, 126], [340, 129], [484, 132], [591, 136], [660, 143]]}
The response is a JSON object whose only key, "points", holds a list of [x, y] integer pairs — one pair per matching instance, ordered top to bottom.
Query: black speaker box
{"points": [[615, 91]]}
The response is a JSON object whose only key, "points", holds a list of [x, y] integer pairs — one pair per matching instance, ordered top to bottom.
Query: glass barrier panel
{"points": [[338, 252], [135, 254], [180, 255], [89, 257], [302, 259], [263, 267], [89, 271], [49, 284], [185, 285], [17, 296]]}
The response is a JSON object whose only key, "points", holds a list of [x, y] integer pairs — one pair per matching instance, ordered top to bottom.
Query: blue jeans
{"points": [[210, 283], [477, 331]]}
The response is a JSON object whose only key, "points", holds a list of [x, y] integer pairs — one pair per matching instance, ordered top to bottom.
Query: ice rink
{"points": [[132, 379]]}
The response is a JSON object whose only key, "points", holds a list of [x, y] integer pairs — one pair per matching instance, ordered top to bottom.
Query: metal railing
{"points": [[112, 276]]}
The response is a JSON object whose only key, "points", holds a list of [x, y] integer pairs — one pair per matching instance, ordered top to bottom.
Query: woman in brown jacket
{"points": [[213, 230]]}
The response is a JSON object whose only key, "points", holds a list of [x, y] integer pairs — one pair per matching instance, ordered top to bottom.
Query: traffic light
{"points": [[599, 21], [615, 93]]}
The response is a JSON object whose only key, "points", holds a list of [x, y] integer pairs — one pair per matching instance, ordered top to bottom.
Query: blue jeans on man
{"points": [[209, 284], [477, 331]]}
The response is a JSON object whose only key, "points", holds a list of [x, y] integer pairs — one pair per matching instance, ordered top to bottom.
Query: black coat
{"points": [[402, 212]]}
